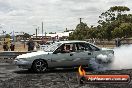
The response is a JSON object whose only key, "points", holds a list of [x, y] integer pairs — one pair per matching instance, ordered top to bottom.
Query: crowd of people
{"points": [[32, 45], [8, 48]]}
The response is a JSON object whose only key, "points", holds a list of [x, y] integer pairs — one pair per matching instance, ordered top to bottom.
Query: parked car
{"points": [[63, 54]]}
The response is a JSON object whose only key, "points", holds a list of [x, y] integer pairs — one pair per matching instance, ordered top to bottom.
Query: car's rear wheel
{"points": [[39, 66]]}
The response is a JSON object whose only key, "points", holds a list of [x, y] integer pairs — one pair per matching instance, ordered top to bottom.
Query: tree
{"points": [[119, 9], [112, 14], [111, 20], [113, 23], [125, 30], [80, 32], [117, 33], [26, 35], [7, 36]]}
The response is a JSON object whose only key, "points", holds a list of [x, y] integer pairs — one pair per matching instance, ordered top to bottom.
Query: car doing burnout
{"points": [[64, 54]]}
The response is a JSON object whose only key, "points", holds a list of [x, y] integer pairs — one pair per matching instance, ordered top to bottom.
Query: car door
{"points": [[95, 50], [82, 54], [61, 58]]}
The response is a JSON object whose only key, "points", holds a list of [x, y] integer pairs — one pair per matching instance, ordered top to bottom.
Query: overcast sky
{"points": [[26, 15]]}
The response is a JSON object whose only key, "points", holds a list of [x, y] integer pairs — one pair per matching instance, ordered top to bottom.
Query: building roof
{"points": [[56, 34]]}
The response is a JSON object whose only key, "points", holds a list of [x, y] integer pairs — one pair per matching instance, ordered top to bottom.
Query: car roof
{"points": [[71, 41], [75, 41]]}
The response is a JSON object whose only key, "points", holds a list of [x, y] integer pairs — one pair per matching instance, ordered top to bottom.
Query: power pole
{"points": [[80, 20], [42, 29], [36, 32], [45, 34], [24, 39]]}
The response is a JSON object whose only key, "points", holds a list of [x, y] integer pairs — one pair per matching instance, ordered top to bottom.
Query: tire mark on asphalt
{"points": [[66, 80]]}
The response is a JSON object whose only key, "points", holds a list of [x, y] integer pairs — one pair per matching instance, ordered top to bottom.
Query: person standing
{"points": [[118, 42], [30, 45], [5, 46], [12, 47]]}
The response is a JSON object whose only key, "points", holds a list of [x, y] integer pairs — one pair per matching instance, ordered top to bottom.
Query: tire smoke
{"points": [[123, 58]]}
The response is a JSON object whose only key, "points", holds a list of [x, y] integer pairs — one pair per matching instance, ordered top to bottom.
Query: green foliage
{"points": [[119, 9], [112, 24], [80, 32], [26, 35], [7, 36]]}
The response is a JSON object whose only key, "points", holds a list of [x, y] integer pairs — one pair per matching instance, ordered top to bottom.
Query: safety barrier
{"points": [[11, 54]]}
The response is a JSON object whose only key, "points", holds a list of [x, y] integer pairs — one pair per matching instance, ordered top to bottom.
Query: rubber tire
{"points": [[34, 67]]}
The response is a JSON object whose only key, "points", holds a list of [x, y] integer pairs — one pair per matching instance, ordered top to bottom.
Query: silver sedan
{"points": [[64, 54]]}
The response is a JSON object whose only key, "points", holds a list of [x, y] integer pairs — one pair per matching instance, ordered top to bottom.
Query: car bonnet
{"points": [[28, 55]]}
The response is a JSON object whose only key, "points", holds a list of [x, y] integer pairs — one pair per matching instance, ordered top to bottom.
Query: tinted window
{"points": [[52, 47], [82, 47], [86, 47], [65, 48], [93, 48]]}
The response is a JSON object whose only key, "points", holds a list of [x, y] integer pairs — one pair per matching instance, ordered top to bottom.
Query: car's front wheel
{"points": [[39, 66]]}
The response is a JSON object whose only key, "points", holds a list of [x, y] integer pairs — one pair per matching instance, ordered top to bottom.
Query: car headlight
{"points": [[21, 59]]}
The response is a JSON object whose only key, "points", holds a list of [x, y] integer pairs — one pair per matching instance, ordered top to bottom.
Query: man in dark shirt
{"points": [[30, 45], [5, 46], [12, 47]]}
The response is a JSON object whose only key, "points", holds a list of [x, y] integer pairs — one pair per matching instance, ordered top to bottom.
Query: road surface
{"points": [[13, 77]]}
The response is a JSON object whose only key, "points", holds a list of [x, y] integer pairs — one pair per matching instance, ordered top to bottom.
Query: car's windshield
{"points": [[52, 47]]}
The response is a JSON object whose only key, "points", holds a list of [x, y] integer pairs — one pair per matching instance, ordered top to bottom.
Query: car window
{"points": [[52, 47], [82, 47], [85, 47], [65, 48], [94, 48]]}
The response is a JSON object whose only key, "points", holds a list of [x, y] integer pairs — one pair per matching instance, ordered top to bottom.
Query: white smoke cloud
{"points": [[103, 57], [123, 58], [101, 62], [97, 66]]}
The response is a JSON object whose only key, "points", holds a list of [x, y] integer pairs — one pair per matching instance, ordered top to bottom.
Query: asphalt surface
{"points": [[13, 77]]}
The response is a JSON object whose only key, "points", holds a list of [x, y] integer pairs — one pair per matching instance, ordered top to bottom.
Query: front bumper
{"points": [[22, 63]]}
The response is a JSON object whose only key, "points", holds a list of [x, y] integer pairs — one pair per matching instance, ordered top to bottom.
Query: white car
{"points": [[63, 54]]}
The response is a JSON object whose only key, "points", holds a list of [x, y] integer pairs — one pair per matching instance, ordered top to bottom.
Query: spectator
{"points": [[93, 41], [43, 42], [118, 42], [30, 45], [5, 46], [36, 46], [12, 47]]}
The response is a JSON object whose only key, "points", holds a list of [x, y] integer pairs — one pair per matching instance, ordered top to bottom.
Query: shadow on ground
{"points": [[58, 70]]}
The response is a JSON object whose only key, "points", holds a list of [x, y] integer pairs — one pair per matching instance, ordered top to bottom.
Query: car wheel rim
{"points": [[40, 66]]}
